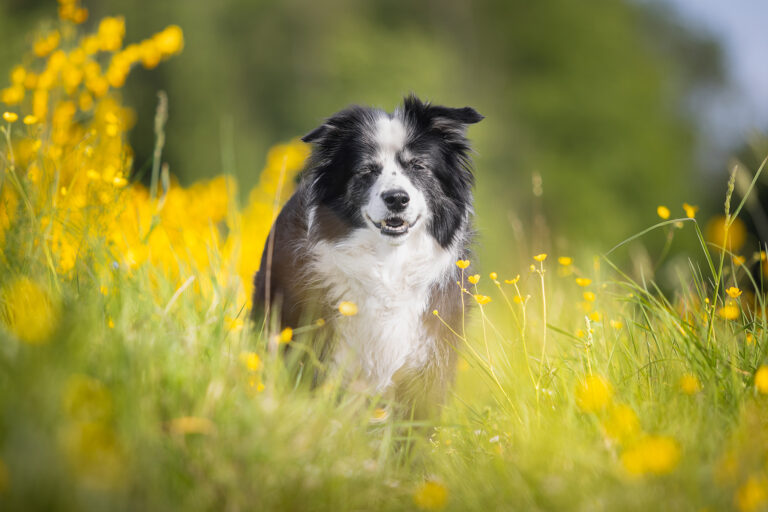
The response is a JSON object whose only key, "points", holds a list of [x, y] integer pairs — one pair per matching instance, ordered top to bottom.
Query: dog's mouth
{"points": [[394, 226]]}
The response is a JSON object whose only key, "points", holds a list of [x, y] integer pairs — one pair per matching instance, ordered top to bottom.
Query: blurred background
{"points": [[596, 112]]}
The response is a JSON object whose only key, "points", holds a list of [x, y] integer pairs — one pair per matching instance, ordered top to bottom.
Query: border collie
{"points": [[380, 217]]}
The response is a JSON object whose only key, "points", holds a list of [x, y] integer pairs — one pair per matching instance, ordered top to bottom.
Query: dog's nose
{"points": [[396, 200]]}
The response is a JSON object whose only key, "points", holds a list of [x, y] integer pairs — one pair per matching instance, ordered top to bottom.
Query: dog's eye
{"points": [[417, 166], [370, 168]]}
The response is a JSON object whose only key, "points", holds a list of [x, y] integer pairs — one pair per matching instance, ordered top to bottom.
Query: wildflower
{"points": [[11, 117], [29, 120], [690, 211], [663, 212], [731, 237], [540, 257], [565, 260], [462, 264], [532, 268], [493, 276], [474, 279], [513, 281], [583, 281], [733, 292], [589, 296], [482, 299], [518, 299], [347, 308], [435, 312], [729, 312], [31, 313], [596, 316], [320, 322], [110, 323], [616, 324], [580, 333], [286, 335], [750, 338], [251, 360], [761, 379], [254, 381], [690, 384], [593, 394], [379, 414], [621, 423], [191, 425], [652, 454], [431, 495], [752, 495]]}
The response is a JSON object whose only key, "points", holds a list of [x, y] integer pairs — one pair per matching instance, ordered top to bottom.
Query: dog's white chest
{"points": [[391, 287]]}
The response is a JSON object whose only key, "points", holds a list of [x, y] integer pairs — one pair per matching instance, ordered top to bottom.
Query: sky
{"points": [[741, 27]]}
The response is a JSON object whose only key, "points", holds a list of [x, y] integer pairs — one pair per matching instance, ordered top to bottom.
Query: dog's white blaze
{"points": [[390, 138], [390, 285]]}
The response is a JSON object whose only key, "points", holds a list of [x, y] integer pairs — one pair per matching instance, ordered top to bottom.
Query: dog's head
{"points": [[395, 173]]}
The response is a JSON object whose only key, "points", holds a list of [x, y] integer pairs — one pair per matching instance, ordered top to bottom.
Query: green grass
{"points": [[90, 419]]}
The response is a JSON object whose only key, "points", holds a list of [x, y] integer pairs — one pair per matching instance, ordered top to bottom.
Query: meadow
{"points": [[131, 378]]}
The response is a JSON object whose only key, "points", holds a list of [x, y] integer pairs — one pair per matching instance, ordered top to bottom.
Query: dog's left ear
{"points": [[438, 117]]}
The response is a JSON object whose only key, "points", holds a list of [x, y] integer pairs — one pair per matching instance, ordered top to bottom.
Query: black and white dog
{"points": [[380, 218]]}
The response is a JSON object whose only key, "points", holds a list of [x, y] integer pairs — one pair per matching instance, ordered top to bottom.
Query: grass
{"points": [[130, 380]]}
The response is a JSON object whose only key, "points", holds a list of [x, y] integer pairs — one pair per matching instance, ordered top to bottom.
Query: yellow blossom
{"points": [[11, 117], [30, 120], [690, 211], [663, 212], [718, 232], [540, 257], [565, 260], [462, 264], [493, 276], [474, 279], [513, 281], [583, 281], [733, 292], [589, 296], [482, 299], [518, 299], [347, 308], [30, 312], [729, 312], [596, 316], [320, 322], [616, 324], [580, 333], [286, 335], [750, 338], [251, 360], [761, 379], [690, 384], [593, 394], [379, 414], [621, 423], [191, 425], [656, 455], [431, 495], [752, 495]]}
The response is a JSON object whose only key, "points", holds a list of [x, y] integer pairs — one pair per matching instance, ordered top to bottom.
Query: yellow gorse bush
{"points": [[68, 171]]}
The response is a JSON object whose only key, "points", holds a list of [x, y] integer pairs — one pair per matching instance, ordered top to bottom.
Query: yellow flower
{"points": [[110, 33], [170, 41], [11, 117], [30, 120], [690, 211], [663, 212], [717, 233], [540, 257], [565, 260], [739, 260], [462, 264], [532, 268], [493, 276], [474, 279], [513, 281], [583, 281], [733, 292], [589, 296], [482, 299], [518, 299], [347, 308], [729, 312], [31, 313], [595, 316], [320, 322], [110, 323], [616, 324], [580, 333], [286, 335], [750, 338], [251, 360], [761, 379], [690, 384], [593, 394], [379, 414], [621, 423], [191, 425], [652, 454], [431, 495], [752, 495]]}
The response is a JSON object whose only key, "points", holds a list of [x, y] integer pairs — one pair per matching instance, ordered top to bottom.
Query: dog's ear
{"points": [[441, 118], [317, 134]]}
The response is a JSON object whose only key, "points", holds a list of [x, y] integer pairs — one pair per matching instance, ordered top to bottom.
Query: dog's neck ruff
{"points": [[391, 285]]}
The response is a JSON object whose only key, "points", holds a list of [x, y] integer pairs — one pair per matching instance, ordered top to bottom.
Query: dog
{"points": [[380, 217]]}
